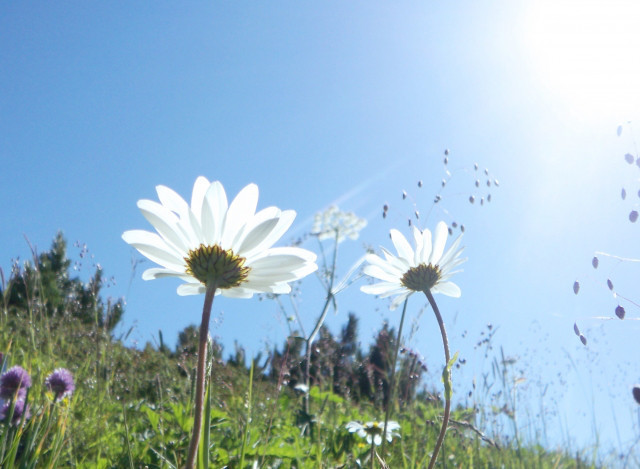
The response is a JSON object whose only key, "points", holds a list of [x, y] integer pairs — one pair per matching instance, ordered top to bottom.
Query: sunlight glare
{"points": [[587, 53]]}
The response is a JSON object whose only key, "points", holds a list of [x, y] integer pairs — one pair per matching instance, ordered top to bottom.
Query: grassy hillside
{"points": [[133, 408]]}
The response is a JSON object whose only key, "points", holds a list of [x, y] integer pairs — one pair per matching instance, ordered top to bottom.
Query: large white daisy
{"points": [[214, 243], [425, 268]]}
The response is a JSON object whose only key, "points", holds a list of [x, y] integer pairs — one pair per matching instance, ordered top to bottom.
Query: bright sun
{"points": [[587, 52]]}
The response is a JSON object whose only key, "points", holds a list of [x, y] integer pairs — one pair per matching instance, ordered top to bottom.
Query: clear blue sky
{"points": [[352, 102]]}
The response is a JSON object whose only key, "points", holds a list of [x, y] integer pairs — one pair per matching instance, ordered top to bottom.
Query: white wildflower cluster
{"points": [[334, 223]]}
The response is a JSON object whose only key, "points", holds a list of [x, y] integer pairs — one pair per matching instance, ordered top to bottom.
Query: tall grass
{"points": [[134, 408]]}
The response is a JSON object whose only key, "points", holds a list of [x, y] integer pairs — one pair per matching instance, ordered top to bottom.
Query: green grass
{"points": [[134, 408]]}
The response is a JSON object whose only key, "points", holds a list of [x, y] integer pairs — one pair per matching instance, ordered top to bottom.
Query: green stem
{"points": [[330, 299], [202, 358], [393, 379], [447, 406], [373, 452]]}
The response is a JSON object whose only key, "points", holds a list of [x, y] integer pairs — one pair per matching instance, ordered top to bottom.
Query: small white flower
{"points": [[332, 222], [213, 242], [420, 269], [301, 388], [372, 431]]}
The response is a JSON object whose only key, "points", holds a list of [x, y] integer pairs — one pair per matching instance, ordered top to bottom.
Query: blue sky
{"points": [[352, 103]]}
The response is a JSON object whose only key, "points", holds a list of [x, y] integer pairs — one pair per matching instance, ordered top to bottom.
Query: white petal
{"points": [[197, 196], [172, 200], [214, 208], [240, 212], [257, 219], [165, 222], [284, 223], [194, 226], [255, 237], [418, 238], [439, 241], [402, 245], [426, 247], [155, 248], [452, 252], [270, 254], [401, 265], [391, 268], [155, 272], [379, 273], [273, 276], [262, 285], [447, 288], [191, 289], [382, 289], [237, 292], [398, 300], [392, 425]]}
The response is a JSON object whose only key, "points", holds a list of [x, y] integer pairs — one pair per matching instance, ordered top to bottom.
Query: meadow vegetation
{"points": [[134, 407]]}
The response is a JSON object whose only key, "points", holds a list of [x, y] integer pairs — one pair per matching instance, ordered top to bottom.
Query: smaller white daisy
{"points": [[425, 268], [372, 431]]}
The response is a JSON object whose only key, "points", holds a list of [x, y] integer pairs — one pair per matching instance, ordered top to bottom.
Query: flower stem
{"points": [[330, 299], [200, 372], [393, 379], [447, 395], [373, 453]]}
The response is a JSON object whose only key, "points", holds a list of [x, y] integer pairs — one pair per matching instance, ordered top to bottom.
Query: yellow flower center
{"points": [[213, 265], [421, 278], [374, 429]]}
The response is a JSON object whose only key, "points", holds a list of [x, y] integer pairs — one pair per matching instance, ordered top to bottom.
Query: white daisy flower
{"points": [[215, 243], [422, 269], [372, 431]]}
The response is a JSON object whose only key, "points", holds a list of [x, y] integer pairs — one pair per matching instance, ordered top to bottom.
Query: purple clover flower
{"points": [[15, 381], [60, 382], [18, 410]]}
